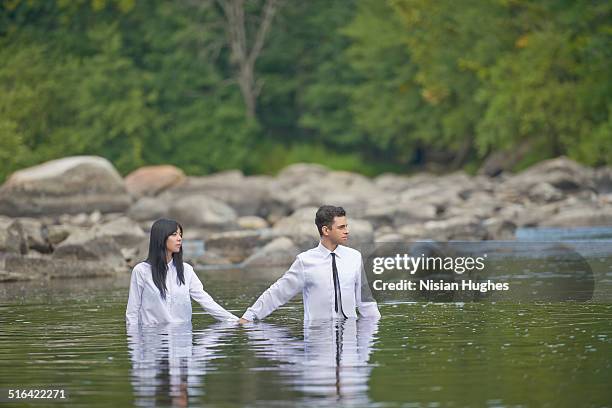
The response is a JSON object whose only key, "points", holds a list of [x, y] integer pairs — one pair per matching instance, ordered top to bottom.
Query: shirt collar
{"points": [[326, 252]]}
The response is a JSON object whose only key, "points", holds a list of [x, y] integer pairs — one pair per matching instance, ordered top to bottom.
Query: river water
{"points": [[70, 335]]}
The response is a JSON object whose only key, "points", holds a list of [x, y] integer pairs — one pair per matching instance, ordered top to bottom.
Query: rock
{"points": [[497, 163], [301, 173], [561, 173], [152, 180], [603, 180], [395, 183], [66, 186], [344, 189], [446, 192], [545, 193], [246, 195], [605, 199], [480, 204], [148, 209], [202, 211], [393, 213], [529, 215], [580, 216], [95, 217], [81, 220], [252, 222], [300, 228], [456, 228], [499, 229], [384, 230], [124, 231], [361, 232], [413, 232], [58, 233], [35, 234], [11, 237], [392, 237], [87, 246], [236, 246], [279, 252], [135, 254], [210, 258], [35, 268], [12, 277]]}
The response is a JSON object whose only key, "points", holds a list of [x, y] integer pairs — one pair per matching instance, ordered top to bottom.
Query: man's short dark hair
{"points": [[325, 216]]}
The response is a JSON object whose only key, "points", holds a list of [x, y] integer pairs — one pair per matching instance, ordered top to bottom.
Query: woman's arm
{"points": [[197, 292], [134, 298]]}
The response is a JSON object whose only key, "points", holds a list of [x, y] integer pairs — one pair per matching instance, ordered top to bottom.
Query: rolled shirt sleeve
{"points": [[289, 285], [197, 293]]}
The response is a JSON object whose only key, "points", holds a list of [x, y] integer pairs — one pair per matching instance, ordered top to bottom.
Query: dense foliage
{"points": [[365, 85]]}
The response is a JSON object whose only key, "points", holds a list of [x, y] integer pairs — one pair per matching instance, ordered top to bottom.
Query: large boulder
{"points": [[301, 173], [563, 174], [152, 180], [65, 186], [348, 190], [441, 193], [246, 195], [148, 209], [202, 211], [388, 211], [300, 228], [468, 228], [124, 231], [361, 232], [111, 244], [86, 245], [237, 245], [280, 252], [35, 268]]}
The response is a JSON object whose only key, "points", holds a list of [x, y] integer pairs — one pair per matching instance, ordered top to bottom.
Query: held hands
{"points": [[243, 321]]}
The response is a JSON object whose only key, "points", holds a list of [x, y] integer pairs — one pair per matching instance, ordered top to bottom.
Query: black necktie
{"points": [[337, 292]]}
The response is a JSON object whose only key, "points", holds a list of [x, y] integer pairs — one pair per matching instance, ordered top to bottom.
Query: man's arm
{"points": [[281, 291], [363, 295]]}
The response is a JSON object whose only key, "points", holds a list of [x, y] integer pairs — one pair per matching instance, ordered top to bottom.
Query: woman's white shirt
{"points": [[147, 307]]}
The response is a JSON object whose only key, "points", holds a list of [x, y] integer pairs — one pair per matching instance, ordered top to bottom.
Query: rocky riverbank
{"points": [[77, 217]]}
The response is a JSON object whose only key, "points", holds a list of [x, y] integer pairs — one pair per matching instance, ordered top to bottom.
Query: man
{"points": [[330, 277]]}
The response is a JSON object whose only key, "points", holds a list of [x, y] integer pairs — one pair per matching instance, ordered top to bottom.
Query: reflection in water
{"points": [[332, 361], [330, 364], [168, 365]]}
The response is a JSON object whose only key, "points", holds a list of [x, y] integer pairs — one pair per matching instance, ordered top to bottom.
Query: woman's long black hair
{"points": [[160, 231]]}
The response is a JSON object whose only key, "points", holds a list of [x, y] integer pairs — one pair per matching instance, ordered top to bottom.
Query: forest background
{"points": [[367, 86]]}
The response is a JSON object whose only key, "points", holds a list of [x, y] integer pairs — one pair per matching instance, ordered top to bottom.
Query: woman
{"points": [[161, 287]]}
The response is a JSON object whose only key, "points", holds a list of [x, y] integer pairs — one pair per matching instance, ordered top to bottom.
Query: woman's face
{"points": [[174, 241]]}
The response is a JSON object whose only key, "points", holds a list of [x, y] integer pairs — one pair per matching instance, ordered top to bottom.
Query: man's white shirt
{"points": [[311, 273], [147, 307]]}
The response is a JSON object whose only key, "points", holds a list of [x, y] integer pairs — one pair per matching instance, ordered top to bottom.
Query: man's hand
{"points": [[243, 321]]}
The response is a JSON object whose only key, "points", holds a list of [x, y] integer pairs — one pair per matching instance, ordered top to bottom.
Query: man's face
{"points": [[339, 231]]}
